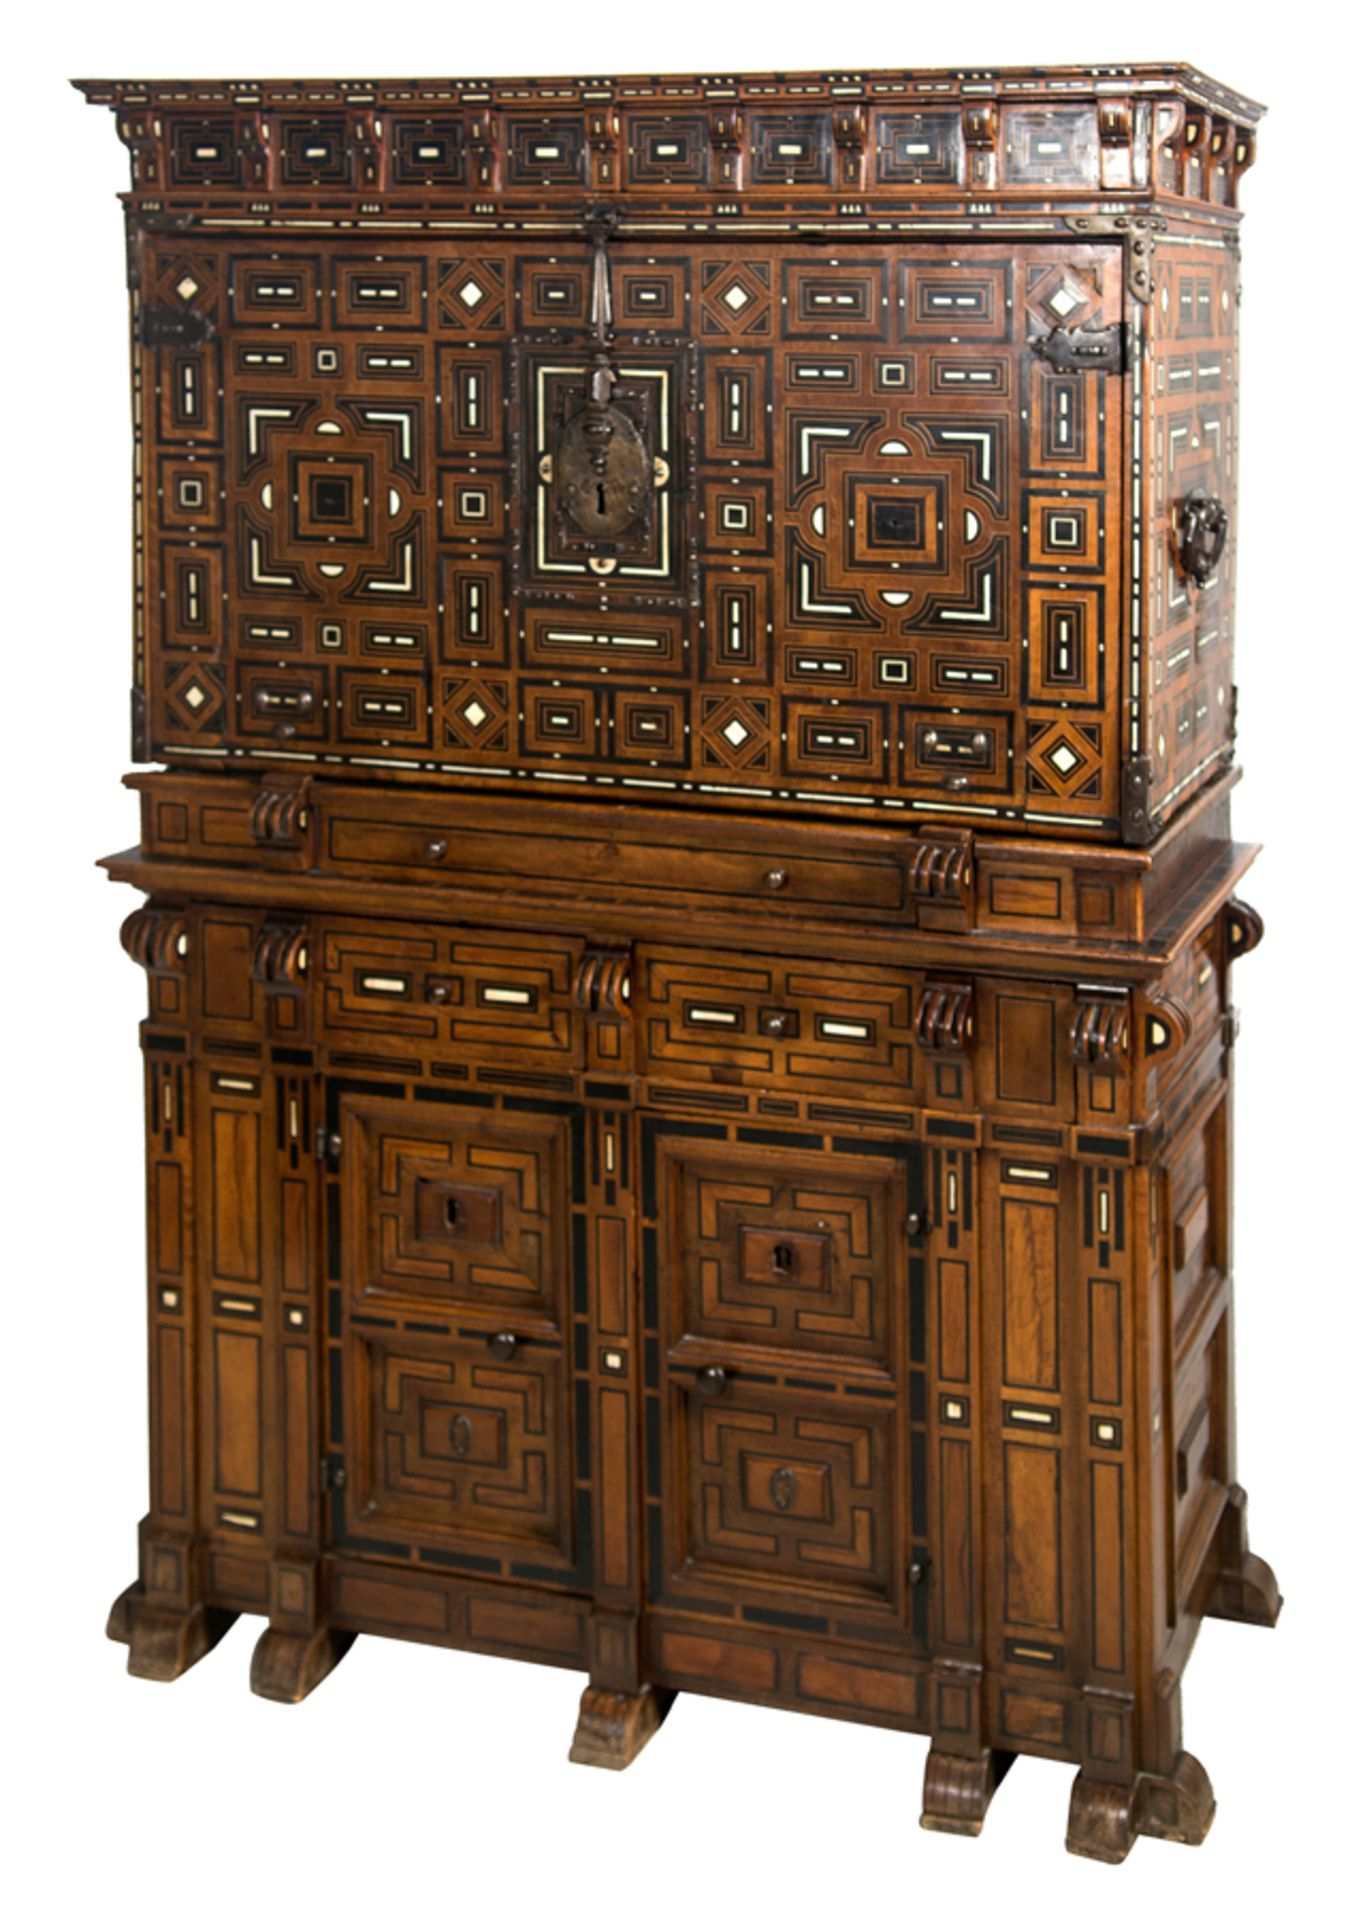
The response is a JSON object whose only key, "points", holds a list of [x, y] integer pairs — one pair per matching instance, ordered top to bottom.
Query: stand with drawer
{"points": [[691, 898]]}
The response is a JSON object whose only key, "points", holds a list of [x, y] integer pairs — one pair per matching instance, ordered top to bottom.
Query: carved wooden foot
{"points": [[1244, 1587], [162, 1642], [288, 1666], [613, 1727], [958, 1788], [1105, 1818]]}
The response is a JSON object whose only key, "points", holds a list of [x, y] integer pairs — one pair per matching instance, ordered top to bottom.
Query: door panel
{"points": [[450, 1391]]}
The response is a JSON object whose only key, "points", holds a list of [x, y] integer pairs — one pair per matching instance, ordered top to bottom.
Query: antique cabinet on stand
{"points": [[686, 628]]}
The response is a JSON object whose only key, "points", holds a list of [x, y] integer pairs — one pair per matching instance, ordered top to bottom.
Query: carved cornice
{"points": [[799, 138]]}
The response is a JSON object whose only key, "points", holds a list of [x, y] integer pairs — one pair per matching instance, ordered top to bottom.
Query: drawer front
{"points": [[728, 868], [394, 988], [760, 1020], [770, 1250]]}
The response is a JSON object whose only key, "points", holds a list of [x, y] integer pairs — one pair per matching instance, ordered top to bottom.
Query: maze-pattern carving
{"points": [[1191, 380], [880, 565], [461, 1208], [790, 1255], [458, 1445], [790, 1493]]}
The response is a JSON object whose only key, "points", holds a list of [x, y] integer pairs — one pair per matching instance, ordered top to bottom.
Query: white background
{"points": [[432, 1781]]}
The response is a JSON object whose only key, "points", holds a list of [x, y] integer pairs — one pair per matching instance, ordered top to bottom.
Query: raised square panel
{"points": [[1048, 145], [919, 147], [790, 149], [666, 150], [427, 152], [545, 152], [284, 290], [380, 292], [846, 299], [1065, 531]]}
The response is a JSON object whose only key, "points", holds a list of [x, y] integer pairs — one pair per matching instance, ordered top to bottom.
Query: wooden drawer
{"points": [[596, 849], [394, 987], [759, 1021]]}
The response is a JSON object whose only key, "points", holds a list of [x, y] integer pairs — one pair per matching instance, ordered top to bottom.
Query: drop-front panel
{"points": [[893, 512], [691, 903]]}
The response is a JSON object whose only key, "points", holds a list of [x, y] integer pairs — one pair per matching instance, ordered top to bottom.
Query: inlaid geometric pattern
{"points": [[1191, 390], [879, 549], [799, 1257], [790, 1492]]}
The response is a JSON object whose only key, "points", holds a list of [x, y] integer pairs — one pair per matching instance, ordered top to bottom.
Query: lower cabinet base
{"points": [[163, 1642], [288, 1666], [613, 1727], [958, 1787], [1105, 1816]]}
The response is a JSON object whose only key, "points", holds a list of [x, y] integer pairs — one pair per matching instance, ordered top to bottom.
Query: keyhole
{"points": [[602, 501], [452, 1213], [783, 1259]]}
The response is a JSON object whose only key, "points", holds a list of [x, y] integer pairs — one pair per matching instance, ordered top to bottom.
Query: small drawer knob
{"points": [[980, 743], [957, 783], [435, 849], [776, 879], [438, 992], [780, 1025], [916, 1225], [503, 1345], [712, 1381], [918, 1573]]}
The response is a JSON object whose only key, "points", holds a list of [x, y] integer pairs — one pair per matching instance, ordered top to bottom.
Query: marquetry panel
{"points": [[1191, 387], [876, 562], [390, 987], [776, 1020], [458, 1207], [782, 1250]]}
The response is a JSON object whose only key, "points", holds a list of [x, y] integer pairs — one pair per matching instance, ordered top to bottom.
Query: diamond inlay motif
{"points": [[187, 286], [472, 293], [736, 297], [475, 714], [736, 733], [1062, 758]]}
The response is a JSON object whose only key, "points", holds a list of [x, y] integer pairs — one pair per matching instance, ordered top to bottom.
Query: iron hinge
{"points": [[173, 327], [1080, 349], [1136, 795]]}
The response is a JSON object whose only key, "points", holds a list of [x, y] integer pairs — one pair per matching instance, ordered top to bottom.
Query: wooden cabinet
{"points": [[688, 636]]}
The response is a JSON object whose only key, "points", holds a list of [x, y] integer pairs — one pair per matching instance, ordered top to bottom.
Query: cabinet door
{"points": [[784, 1325], [451, 1387]]}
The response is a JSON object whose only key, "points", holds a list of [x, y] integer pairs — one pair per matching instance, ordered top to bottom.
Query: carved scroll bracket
{"points": [[280, 815], [1243, 928], [156, 939], [280, 960], [602, 983], [944, 1016], [1100, 1035]]}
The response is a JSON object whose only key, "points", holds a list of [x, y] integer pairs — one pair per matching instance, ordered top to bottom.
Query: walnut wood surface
{"points": [[689, 1028]]}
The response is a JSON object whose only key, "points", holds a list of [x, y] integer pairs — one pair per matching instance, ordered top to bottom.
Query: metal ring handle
{"points": [[1201, 535]]}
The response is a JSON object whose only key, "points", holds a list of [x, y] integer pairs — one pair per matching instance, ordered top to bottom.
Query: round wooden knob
{"points": [[435, 849], [776, 879], [439, 992], [777, 1024], [916, 1224], [502, 1345], [712, 1381], [917, 1573]]}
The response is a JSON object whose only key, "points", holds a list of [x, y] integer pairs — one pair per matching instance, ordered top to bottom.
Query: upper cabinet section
{"points": [[856, 143]]}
